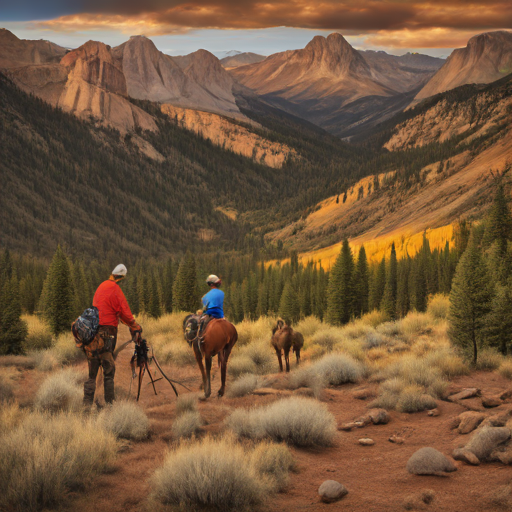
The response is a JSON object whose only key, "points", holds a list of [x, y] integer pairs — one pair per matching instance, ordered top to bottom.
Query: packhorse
{"points": [[218, 339], [283, 339]]}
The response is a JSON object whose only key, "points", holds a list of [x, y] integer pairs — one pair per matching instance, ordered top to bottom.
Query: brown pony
{"points": [[219, 338], [283, 339]]}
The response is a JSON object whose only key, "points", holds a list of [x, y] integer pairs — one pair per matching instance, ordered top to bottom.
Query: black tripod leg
{"points": [[141, 375], [151, 377], [167, 378]]}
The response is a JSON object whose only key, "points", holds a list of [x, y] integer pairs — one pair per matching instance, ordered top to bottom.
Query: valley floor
{"points": [[375, 476]]}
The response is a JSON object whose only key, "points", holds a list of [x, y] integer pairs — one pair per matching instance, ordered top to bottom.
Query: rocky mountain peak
{"points": [[7, 36], [89, 50]]}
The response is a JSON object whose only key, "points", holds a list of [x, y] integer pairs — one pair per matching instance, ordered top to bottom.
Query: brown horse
{"points": [[285, 338], [219, 339]]}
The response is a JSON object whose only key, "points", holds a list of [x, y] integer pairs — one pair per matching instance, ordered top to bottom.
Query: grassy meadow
{"points": [[56, 448]]}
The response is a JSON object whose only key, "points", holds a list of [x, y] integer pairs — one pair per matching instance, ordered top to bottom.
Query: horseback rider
{"points": [[213, 303], [112, 307]]}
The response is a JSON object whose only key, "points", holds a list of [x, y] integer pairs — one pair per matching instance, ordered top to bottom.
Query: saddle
{"points": [[196, 327]]}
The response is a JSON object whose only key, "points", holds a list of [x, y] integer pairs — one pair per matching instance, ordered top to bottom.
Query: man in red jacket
{"points": [[112, 307]]}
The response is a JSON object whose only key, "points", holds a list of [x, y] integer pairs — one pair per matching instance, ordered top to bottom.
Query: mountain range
{"points": [[260, 138]]}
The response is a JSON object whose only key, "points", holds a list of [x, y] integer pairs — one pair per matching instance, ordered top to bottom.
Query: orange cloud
{"points": [[398, 22]]}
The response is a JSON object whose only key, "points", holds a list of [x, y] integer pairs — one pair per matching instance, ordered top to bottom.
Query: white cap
{"points": [[120, 270], [212, 278]]}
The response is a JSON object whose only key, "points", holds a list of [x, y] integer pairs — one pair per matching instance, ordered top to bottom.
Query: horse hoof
{"points": [[203, 398]]}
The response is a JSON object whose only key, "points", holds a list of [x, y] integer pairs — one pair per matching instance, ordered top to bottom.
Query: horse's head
{"points": [[279, 325], [190, 327]]}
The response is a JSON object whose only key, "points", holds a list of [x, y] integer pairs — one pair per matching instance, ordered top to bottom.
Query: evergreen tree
{"points": [[498, 223], [361, 284], [167, 285], [377, 285], [402, 292], [184, 293], [340, 294], [58, 300], [469, 301], [388, 304], [289, 308], [154, 309], [499, 319], [13, 330]]}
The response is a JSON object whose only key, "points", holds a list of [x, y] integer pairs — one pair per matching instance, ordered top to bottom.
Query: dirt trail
{"points": [[375, 476]]}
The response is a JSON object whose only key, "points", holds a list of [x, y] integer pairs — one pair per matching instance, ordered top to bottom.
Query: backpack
{"points": [[87, 325]]}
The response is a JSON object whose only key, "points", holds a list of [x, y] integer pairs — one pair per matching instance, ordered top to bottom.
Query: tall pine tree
{"points": [[361, 284], [184, 293], [340, 295], [388, 304]]}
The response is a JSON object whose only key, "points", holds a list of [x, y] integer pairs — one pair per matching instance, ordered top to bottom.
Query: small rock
{"points": [[271, 391], [465, 393], [364, 394], [506, 394], [491, 401], [433, 412], [379, 416], [498, 420], [469, 421], [361, 423], [347, 426], [397, 440], [366, 441], [465, 456], [505, 457], [429, 461], [331, 491]]}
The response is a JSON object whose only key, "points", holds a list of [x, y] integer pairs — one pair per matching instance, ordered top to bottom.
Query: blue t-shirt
{"points": [[213, 303]]}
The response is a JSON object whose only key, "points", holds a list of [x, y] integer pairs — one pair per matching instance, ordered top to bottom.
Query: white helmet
{"points": [[120, 270], [212, 279]]}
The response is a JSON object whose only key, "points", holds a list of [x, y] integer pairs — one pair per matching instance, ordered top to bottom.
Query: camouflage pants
{"points": [[106, 361]]}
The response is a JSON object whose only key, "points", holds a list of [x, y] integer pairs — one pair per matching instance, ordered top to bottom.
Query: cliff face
{"points": [[486, 58], [463, 113], [230, 136]]}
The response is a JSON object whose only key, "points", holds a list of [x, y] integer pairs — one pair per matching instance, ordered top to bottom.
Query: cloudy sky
{"points": [[178, 27]]}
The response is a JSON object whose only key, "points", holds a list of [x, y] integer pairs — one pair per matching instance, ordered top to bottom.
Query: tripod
{"points": [[141, 360]]}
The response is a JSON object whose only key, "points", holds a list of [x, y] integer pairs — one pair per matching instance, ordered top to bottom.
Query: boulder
{"points": [[465, 393], [506, 394], [491, 401], [379, 416], [498, 420], [469, 421], [485, 440], [366, 441], [465, 456], [505, 457], [429, 461], [331, 491]]}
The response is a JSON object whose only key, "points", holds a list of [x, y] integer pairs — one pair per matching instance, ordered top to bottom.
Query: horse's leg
{"points": [[297, 353], [279, 358], [287, 358], [199, 359], [208, 364], [223, 367]]}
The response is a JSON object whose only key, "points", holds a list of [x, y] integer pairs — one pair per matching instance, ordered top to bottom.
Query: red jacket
{"points": [[112, 305]]}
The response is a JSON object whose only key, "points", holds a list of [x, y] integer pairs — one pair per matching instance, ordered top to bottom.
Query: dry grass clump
{"points": [[439, 306], [374, 318], [415, 323], [169, 325], [309, 326], [356, 329], [391, 329], [254, 331], [39, 335], [328, 337], [374, 339], [177, 352], [315, 352], [261, 354], [45, 360], [489, 360], [241, 364], [449, 364], [336, 369], [505, 369], [7, 376], [305, 378], [243, 386], [59, 392], [414, 399], [186, 403], [10, 416], [126, 420], [296, 421], [186, 425], [44, 457], [273, 461], [212, 473]]}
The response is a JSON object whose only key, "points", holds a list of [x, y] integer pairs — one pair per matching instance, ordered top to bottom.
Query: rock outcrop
{"points": [[486, 58], [241, 59], [230, 136], [429, 461]]}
